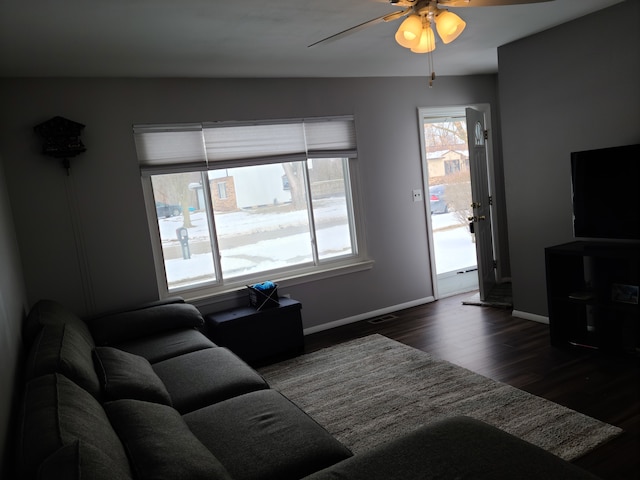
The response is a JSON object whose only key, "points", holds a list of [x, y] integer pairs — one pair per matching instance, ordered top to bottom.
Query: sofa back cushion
{"points": [[49, 312], [134, 324], [169, 344], [63, 349], [125, 375], [57, 413], [159, 443]]}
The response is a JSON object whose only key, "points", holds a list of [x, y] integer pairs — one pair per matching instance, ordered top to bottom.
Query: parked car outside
{"points": [[437, 199], [166, 210]]}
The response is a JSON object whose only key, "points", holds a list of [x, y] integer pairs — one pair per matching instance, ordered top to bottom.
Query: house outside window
{"points": [[446, 161], [249, 228]]}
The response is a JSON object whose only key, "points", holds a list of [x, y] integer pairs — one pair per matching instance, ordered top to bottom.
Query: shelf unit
{"points": [[592, 294]]}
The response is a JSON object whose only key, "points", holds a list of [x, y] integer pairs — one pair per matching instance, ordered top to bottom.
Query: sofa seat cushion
{"points": [[52, 313], [162, 346], [63, 349], [126, 375], [201, 378], [56, 413], [263, 435], [159, 443], [455, 448], [79, 461]]}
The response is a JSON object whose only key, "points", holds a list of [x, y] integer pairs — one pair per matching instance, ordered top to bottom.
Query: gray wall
{"points": [[575, 87], [84, 237], [12, 309]]}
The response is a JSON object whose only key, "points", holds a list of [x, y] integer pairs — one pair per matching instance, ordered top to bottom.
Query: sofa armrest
{"points": [[142, 322], [459, 447]]}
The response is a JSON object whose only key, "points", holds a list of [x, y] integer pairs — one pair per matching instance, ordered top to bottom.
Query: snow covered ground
{"points": [[454, 246]]}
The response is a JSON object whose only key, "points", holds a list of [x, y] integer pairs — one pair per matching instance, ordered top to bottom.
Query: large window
{"points": [[248, 202]]}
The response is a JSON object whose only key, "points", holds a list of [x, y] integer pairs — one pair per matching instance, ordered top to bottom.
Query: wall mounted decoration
{"points": [[61, 139]]}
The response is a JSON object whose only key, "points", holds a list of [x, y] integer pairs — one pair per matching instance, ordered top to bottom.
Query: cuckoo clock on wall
{"points": [[61, 139]]}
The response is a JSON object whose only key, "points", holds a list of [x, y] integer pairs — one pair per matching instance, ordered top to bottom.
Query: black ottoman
{"points": [[259, 336]]}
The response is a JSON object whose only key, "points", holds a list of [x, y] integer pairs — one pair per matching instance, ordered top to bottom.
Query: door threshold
{"points": [[459, 281]]}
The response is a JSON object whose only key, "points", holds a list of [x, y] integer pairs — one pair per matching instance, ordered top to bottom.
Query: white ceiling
{"points": [[249, 38]]}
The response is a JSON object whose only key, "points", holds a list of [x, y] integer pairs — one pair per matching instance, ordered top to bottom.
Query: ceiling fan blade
{"points": [[486, 3], [384, 18]]}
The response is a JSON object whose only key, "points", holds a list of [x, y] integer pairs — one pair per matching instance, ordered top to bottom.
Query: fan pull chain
{"points": [[432, 73]]}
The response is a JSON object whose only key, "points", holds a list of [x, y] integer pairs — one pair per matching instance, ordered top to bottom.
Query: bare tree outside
{"points": [[449, 134], [295, 175], [326, 177], [174, 188], [459, 196]]}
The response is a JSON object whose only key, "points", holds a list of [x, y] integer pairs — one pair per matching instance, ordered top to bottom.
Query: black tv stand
{"points": [[592, 294]]}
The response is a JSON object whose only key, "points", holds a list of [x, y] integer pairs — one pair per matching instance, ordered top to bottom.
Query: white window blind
{"points": [[334, 137], [245, 142], [160, 146], [198, 146]]}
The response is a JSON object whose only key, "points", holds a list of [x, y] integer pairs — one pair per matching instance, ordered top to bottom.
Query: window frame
{"points": [[222, 190], [223, 288]]}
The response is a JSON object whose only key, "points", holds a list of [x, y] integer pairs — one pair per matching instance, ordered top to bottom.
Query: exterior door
{"points": [[480, 219]]}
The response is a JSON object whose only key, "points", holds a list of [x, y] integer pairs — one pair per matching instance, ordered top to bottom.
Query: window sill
{"points": [[207, 299]]}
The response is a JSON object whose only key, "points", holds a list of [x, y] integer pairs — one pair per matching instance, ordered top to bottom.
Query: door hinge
{"points": [[486, 134], [490, 200], [495, 264]]}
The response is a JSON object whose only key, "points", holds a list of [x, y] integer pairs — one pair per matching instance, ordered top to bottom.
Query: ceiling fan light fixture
{"points": [[449, 26], [408, 34], [427, 41]]}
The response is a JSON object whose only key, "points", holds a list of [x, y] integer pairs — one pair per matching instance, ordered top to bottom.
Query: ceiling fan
{"points": [[431, 11], [416, 32]]}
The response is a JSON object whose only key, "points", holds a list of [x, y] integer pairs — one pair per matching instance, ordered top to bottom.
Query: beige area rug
{"points": [[373, 389]]}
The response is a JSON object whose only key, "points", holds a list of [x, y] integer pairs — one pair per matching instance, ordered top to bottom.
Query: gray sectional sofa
{"points": [[143, 394]]}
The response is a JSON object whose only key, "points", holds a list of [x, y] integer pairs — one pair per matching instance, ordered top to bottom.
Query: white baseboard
{"points": [[383, 311], [367, 315], [531, 316]]}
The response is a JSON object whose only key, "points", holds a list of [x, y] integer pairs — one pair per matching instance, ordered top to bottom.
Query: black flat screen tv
{"points": [[606, 193]]}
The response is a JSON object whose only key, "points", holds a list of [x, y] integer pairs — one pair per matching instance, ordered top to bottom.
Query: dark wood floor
{"points": [[493, 343]]}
